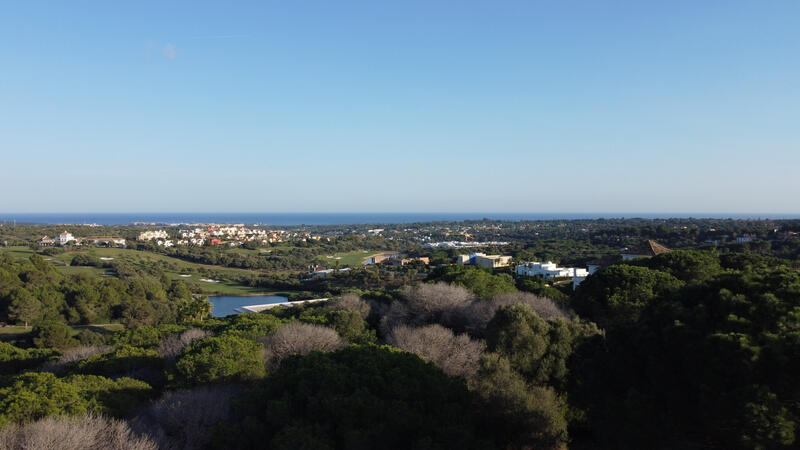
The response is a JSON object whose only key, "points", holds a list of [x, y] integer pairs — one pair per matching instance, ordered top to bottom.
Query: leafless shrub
{"points": [[351, 302], [425, 303], [544, 307], [473, 317], [299, 338], [172, 345], [74, 355], [457, 355], [181, 419], [74, 433]]}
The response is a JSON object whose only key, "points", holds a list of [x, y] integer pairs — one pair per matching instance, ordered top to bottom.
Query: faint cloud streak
{"points": [[169, 51]]}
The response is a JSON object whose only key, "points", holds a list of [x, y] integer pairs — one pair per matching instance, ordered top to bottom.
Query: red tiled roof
{"points": [[648, 248]]}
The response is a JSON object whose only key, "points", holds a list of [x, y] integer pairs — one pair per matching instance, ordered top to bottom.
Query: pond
{"points": [[226, 305]]}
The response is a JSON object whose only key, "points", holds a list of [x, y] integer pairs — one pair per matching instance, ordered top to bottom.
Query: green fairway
{"points": [[348, 259], [172, 267]]}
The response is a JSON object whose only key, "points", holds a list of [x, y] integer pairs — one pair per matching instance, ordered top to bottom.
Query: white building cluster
{"points": [[149, 235], [462, 244], [550, 270]]}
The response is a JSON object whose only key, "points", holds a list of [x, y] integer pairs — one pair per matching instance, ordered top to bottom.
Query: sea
{"points": [[366, 218]]}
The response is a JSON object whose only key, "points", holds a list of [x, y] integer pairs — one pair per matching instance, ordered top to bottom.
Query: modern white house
{"points": [[548, 270]]}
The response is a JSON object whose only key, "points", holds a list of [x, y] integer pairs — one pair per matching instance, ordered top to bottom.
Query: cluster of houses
{"points": [[233, 235], [67, 237], [464, 244], [549, 270]]}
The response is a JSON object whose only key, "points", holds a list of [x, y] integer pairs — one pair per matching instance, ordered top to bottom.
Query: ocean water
{"points": [[286, 219]]}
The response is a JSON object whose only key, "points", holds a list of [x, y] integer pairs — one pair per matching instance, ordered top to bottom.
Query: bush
{"points": [[82, 259], [351, 302], [424, 304], [474, 316], [251, 326], [351, 326], [53, 335], [299, 338], [171, 346], [538, 349], [74, 355], [456, 355], [14, 359], [221, 359], [125, 360], [32, 396], [113, 397], [357, 397], [522, 416], [182, 419], [74, 433]]}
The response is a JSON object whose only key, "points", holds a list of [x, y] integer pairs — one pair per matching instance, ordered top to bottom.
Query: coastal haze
{"points": [[289, 219]]}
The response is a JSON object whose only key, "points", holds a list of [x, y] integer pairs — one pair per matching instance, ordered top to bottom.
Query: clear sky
{"points": [[529, 106]]}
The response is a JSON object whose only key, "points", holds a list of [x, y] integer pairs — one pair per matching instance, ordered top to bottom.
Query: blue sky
{"points": [[530, 106]]}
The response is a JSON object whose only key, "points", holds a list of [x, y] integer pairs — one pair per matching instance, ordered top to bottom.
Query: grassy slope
{"points": [[140, 258]]}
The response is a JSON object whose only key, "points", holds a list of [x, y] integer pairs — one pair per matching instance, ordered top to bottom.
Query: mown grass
{"points": [[142, 259], [348, 259]]}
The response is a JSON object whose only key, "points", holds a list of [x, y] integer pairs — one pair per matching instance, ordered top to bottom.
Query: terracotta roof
{"points": [[648, 248]]}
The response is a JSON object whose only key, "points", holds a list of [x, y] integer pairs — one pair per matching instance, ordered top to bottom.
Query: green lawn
{"points": [[141, 259], [348, 259]]}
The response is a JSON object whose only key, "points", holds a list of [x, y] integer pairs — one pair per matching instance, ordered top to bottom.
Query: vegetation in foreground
{"points": [[690, 349]]}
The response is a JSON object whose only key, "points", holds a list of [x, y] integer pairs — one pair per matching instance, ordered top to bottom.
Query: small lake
{"points": [[226, 305]]}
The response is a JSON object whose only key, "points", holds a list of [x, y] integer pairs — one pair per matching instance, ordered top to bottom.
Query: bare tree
{"points": [[351, 302], [425, 303], [544, 307], [473, 316], [299, 338], [173, 344], [74, 355], [456, 355], [181, 419], [90, 432]]}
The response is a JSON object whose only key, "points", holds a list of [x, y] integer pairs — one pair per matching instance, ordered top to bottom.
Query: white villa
{"points": [[64, 238], [548, 270]]}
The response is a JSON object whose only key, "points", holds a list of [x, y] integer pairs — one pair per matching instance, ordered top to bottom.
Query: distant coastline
{"points": [[295, 219]]}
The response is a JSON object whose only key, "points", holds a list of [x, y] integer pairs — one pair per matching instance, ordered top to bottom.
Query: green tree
{"points": [[483, 283], [617, 295], [24, 307], [53, 334], [538, 349], [221, 359], [34, 395], [359, 397]]}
